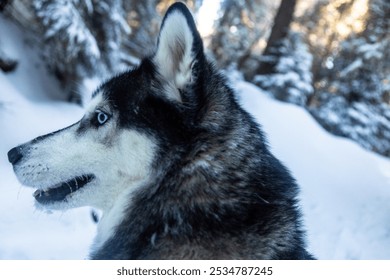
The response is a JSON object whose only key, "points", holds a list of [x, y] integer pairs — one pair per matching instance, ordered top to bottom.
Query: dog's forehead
{"points": [[117, 90], [125, 90], [97, 100]]}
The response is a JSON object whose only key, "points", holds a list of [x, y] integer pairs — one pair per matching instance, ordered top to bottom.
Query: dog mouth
{"points": [[61, 191]]}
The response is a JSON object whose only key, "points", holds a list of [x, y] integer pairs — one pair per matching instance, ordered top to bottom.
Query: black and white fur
{"points": [[178, 168]]}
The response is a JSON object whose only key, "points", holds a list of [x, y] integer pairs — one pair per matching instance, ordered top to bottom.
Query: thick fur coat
{"points": [[179, 169]]}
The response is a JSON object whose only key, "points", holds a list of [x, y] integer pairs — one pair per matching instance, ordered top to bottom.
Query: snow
{"points": [[63, 18], [372, 50], [352, 67], [292, 80], [29, 106], [345, 190]]}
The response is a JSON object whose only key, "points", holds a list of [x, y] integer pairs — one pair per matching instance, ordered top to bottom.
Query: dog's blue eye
{"points": [[101, 117]]}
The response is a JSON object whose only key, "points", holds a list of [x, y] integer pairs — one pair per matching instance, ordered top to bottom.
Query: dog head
{"points": [[133, 120]]}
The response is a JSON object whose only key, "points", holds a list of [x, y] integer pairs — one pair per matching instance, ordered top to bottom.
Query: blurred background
{"points": [[330, 57]]}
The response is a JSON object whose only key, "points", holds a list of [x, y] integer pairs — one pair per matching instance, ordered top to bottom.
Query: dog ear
{"points": [[179, 49]]}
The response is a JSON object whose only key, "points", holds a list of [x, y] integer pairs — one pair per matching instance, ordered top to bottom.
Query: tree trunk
{"points": [[282, 22], [279, 31]]}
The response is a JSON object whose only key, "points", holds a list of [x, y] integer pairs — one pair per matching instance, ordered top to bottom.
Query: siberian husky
{"points": [[178, 168]]}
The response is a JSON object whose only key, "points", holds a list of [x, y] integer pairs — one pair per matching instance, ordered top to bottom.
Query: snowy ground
{"points": [[345, 189]]}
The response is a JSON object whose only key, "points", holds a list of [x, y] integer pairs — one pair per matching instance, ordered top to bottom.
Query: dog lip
{"points": [[60, 191]]}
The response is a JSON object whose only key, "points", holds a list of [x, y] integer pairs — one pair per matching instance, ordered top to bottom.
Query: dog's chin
{"points": [[61, 192]]}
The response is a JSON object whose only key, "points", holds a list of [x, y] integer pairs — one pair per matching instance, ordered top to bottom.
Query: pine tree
{"points": [[239, 31], [68, 39], [85, 40], [351, 46], [291, 77]]}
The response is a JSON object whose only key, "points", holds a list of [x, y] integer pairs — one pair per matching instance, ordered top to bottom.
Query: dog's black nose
{"points": [[15, 154]]}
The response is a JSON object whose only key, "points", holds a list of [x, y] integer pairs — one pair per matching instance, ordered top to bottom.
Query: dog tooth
{"points": [[37, 193]]}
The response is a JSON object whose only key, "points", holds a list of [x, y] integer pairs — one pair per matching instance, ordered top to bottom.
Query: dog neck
{"points": [[113, 215]]}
